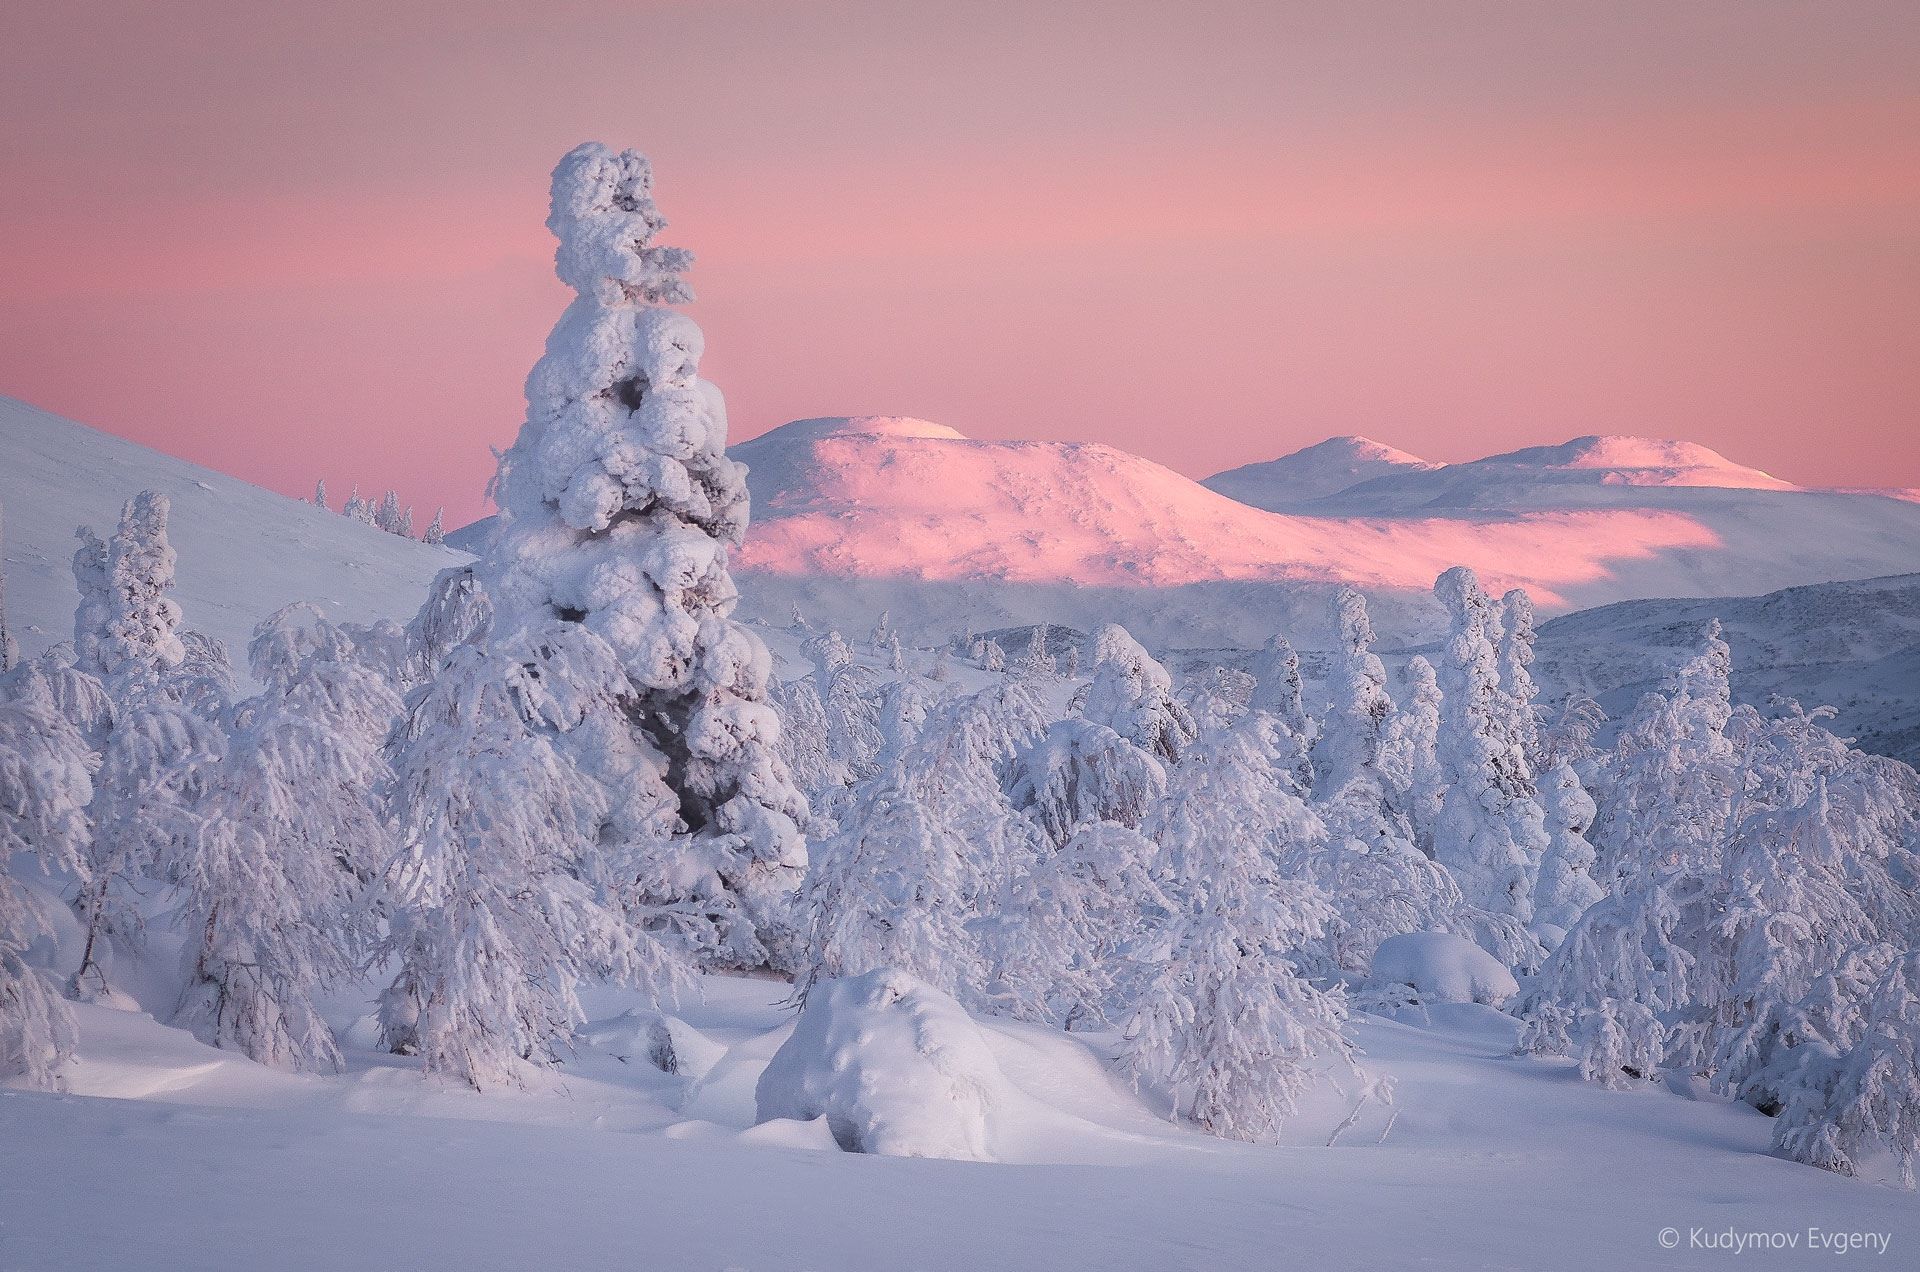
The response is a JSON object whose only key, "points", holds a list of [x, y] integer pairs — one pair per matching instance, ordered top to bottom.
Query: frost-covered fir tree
{"points": [[320, 493], [618, 509], [436, 533], [95, 610], [991, 656], [1516, 670], [167, 689], [1133, 695], [1354, 732], [1412, 759], [46, 771], [293, 823], [1491, 833], [1566, 885], [501, 900]]}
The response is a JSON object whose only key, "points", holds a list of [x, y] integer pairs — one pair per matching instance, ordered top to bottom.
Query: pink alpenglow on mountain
{"points": [[893, 497]]}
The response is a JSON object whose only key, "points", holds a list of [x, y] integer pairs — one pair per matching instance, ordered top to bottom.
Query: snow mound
{"points": [[1443, 968], [896, 1067]]}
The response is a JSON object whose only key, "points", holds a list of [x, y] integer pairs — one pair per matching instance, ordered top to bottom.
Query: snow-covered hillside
{"points": [[1324, 468], [244, 551], [1854, 646]]}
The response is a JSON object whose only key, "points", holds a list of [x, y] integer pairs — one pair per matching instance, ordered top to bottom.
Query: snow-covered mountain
{"points": [[1324, 468], [1585, 472], [887, 512], [244, 551], [1854, 646]]}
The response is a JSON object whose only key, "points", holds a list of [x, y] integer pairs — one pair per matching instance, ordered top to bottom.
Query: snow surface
{"points": [[244, 552], [1443, 968], [168, 1154]]}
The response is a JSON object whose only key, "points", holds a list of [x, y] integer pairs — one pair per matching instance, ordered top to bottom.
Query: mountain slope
{"points": [[1314, 472], [244, 551], [1854, 646]]}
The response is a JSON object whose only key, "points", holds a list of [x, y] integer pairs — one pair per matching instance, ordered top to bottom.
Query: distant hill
{"points": [[244, 551]]}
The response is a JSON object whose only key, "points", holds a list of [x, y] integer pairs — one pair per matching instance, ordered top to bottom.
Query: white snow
{"points": [[244, 552], [1443, 968], [895, 1067], [170, 1155]]}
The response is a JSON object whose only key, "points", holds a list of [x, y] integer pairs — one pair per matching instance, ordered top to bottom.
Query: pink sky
{"points": [[298, 241]]}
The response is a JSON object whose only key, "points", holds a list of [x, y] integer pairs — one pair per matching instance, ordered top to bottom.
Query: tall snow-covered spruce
{"points": [[618, 508]]}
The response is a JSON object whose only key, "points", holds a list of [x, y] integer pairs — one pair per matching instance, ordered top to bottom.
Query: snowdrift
{"points": [[1443, 968], [896, 1067]]}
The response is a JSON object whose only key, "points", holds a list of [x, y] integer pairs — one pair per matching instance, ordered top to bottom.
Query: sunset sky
{"points": [[301, 241]]}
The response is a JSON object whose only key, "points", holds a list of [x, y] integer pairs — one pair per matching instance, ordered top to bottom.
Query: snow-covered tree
{"points": [[320, 493], [618, 508], [358, 509], [436, 529], [95, 610], [457, 613], [828, 652], [991, 656], [1036, 659], [1516, 671], [1277, 689], [168, 690], [1133, 695], [1354, 733], [1411, 759], [46, 772], [1080, 773], [1671, 784], [292, 823], [1491, 833], [925, 850], [1566, 886], [889, 890], [500, 902], [1081, 939], [1228, 1026], [1859, 1093]]}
